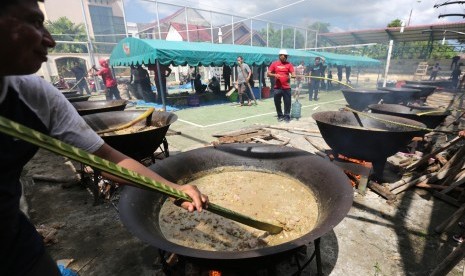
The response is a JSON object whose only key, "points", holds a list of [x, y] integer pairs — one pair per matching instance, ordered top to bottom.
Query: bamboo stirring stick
{"points": [[141, 117], [400, 124], [44, 141]]}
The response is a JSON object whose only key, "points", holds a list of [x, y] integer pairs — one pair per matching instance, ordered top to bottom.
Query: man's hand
{"points": [[462, 133], [199, 200]]}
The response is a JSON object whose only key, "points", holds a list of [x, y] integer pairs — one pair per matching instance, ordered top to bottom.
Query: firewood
{"points": [[294, 129], [240, 132], [285, 140], [314, 145], [425, 158], [441, 159], [456, 159], [433, 168], [443, 173], [412, 183], [392, 186], [436, 187], [382, 191], [446, 198], [450, 261]]}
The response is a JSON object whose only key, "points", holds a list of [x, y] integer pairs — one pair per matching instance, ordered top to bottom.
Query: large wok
{"points": [[437, 83], [426, 90], [69, 92], [401, 95], [77, 98], [359, 99], [91, 107], [429, 116], [374, 142], [138, 145], [139, 209]]}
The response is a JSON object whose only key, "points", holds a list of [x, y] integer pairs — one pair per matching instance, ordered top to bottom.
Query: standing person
{"points": [[455, 62], [280, 70], [348, 70], [165, 71], [299, 71], [314, 71], [434, 71], [323, 73], [339, 73], [80, 75], [192, 75], [261, 75], [454, 76], [227, 77], [243, 77], [141, 81], [329, 82], [111, 91], [29, 100]]}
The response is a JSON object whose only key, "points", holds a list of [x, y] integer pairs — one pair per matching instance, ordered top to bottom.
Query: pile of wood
{"points": [[259, 134], [442, 171]]}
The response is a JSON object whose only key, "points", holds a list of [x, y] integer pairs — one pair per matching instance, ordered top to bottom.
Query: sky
{"points": [[342, 15]]}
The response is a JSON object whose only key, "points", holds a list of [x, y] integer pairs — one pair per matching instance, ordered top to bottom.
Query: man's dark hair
{"points": [[6, 3]]}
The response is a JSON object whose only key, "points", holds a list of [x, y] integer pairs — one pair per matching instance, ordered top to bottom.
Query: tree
{"points": [[395, 23], [321, 27], [64, 30], [274, 38]]}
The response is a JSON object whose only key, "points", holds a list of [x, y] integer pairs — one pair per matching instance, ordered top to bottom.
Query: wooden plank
{"points": [[240, 132], [382, 191], [450, 261]]}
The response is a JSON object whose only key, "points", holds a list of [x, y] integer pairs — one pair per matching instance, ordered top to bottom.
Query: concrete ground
{"points": [[375, 238]]}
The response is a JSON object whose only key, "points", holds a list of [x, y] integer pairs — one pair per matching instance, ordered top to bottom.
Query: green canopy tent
{"points": [[131, 51], [134, 51]]}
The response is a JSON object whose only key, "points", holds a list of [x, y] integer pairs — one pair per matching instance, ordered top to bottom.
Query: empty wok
{"points": [[437, 83], [426, 90], [69, 92], [401, 95], [77, 98], [359, 99], [91, 107], [429, 116], [374, 142], [140, 144], [139, 209]]}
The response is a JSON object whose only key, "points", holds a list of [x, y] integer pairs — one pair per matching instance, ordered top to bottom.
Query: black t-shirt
{"points": [[78, 72]]}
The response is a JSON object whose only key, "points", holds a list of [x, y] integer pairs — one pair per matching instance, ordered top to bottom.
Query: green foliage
{"points": [[395, 23], [321, 27], [64, 30], [274, 38]]}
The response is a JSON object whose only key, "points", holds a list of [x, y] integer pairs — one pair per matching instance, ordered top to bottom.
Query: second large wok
{"points": [[91, 107], [429, 116], [374, 141], [140, 144], [139, 209]]}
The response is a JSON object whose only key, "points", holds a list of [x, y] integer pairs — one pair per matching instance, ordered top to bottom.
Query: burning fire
{"points": [[353, 160], [354, 178]]}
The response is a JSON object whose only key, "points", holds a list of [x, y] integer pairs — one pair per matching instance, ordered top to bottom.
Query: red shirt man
{"points": [[280, 70]]}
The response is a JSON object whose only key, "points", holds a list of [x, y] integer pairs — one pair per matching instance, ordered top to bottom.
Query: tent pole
{"points": [[388, 62], [162, 93]]}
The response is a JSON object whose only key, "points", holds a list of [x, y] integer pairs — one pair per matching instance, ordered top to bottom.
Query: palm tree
{"points": [[64, 30]]}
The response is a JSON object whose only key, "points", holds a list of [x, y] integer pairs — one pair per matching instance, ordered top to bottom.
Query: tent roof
{"points": [[410, 33], [130, 51]]}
